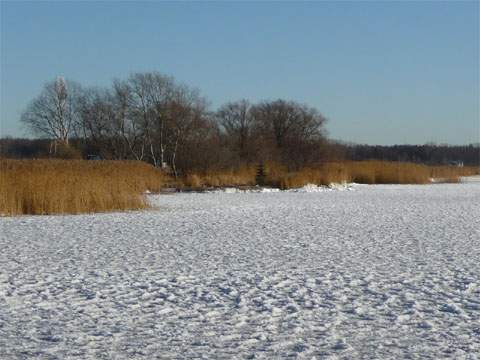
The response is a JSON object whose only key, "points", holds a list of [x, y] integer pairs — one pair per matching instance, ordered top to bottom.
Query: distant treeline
{"points": [[427, 154], [469, 155]]}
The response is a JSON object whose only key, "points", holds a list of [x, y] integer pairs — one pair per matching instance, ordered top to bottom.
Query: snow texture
{"points": [[380, 272]]}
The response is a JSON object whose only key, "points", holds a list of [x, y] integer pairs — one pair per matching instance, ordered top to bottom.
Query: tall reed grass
{"points": [[363, 172], [242, 176], [74, 186], [78, 186]]}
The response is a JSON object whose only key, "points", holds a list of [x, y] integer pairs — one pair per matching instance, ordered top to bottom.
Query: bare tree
{"points": [[151, 93], [53, 113], [186, 113], [146, 116], [286, 119], [237, 121], [97, 122], [111, 122], [126, 125], [293, 128]]}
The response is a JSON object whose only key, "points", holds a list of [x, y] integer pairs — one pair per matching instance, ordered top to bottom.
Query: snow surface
{"points": [[380, 272]]}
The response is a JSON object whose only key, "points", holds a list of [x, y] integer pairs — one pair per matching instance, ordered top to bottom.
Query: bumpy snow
{"points": [[380, 272]]}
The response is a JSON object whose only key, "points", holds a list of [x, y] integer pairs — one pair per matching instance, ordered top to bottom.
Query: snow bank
{"points": [[470, 179], [309, 188], [241, 191]]}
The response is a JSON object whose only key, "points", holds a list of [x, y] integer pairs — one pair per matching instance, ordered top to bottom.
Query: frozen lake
{"points": [[379, 272]]}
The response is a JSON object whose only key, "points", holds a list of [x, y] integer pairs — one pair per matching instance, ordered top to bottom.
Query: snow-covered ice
{"points": [[380, 272]]}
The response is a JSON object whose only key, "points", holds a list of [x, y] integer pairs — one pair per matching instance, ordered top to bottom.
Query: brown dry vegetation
{"points": [[363, 172], [243, 176], [74, 186], [78, 186]]}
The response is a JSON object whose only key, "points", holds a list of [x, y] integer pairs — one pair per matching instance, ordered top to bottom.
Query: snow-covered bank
{"points": [[470, 179], [307, 188], [385, 272]]}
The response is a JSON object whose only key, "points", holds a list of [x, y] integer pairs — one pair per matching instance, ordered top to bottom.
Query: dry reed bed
{"points": [[363, 172], [376, 172], [243, 176], [77, 186], [40, 187]]}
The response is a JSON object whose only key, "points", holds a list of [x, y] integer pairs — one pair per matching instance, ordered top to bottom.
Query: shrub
{"points": [[67, 152]]}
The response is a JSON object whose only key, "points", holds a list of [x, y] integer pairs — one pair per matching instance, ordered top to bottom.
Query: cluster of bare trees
{"points": [[146, 117], [151, 117], [282, 131]]}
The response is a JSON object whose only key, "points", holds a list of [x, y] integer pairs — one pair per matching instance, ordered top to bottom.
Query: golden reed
{"points": [[364, 172], [74, 186], [40, 187]]}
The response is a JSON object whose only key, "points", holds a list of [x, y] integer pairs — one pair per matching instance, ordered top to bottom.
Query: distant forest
{"points": [[153, 118], [427, 154], [433, 154]]}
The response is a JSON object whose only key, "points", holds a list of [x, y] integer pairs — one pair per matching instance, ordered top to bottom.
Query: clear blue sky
{"points": [[382, 72]]}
